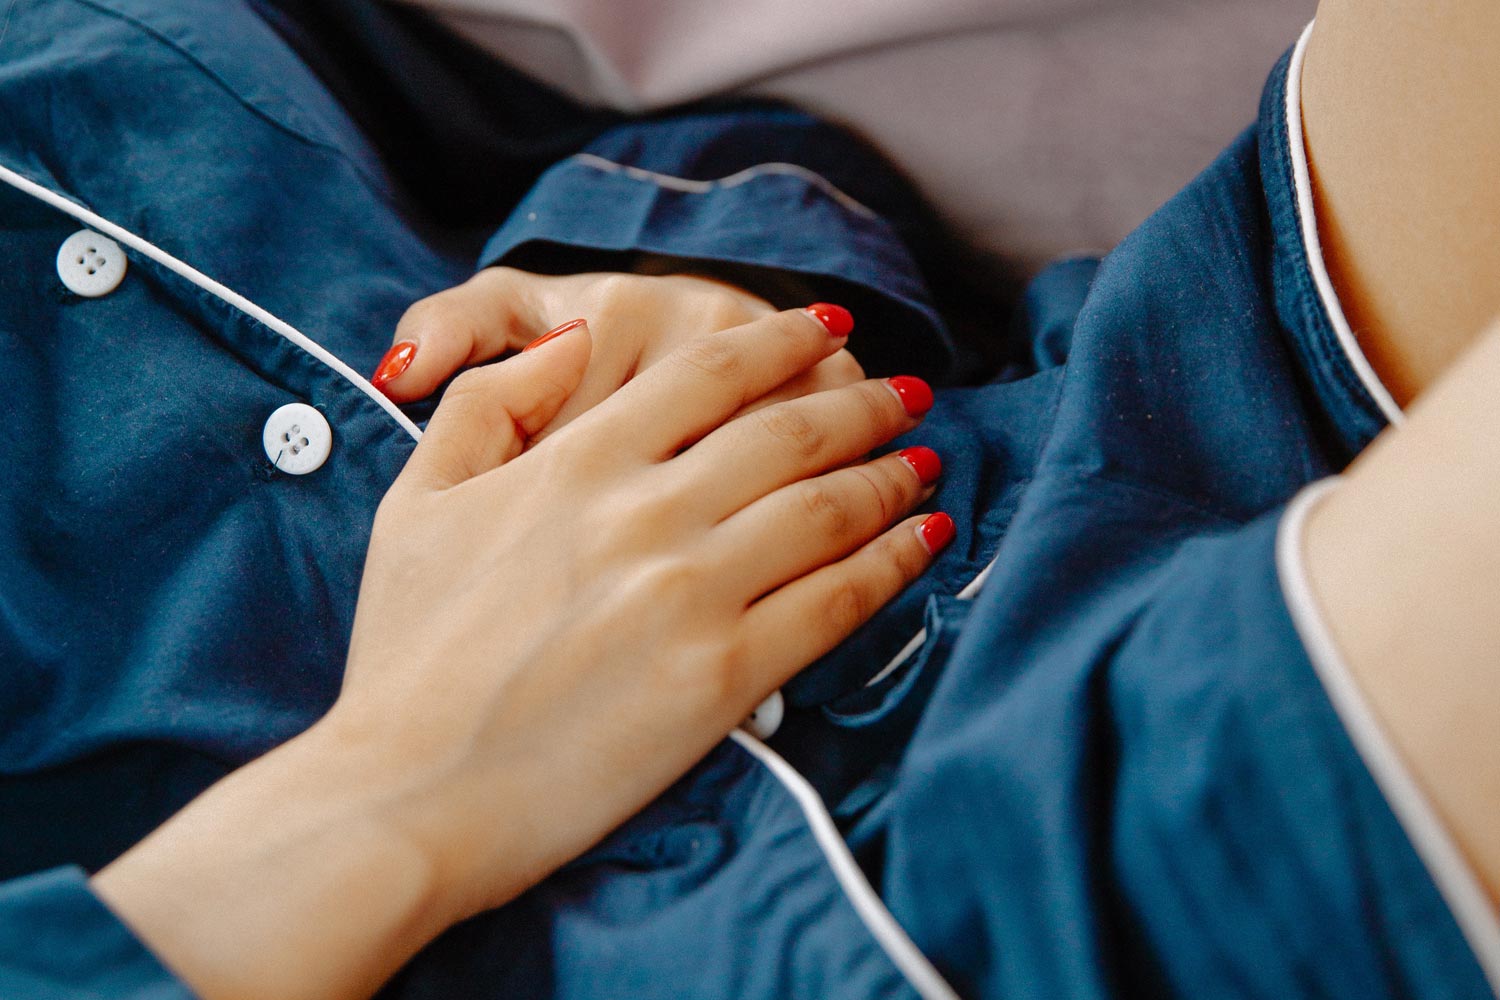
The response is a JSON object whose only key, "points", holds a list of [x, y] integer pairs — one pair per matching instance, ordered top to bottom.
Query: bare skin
{"points": [[1398, 99], [636, 321], [1404, 556], [658, 567]]}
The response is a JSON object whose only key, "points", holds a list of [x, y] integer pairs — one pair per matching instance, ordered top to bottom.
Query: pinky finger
{"points": [[795, 624]]}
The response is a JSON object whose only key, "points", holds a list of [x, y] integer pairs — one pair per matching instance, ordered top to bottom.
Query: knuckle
{"points": [[614, 289], [717, 305], [726, 307], [727, 312], [427, 317], [794, 326], [713, 357], [843, 369], [467, 384], [472, 400], [880, 407], [793, 428], [557, 468], [881, 491], [827, 510], [389, 515], [904, 555], [670, 582], [847, 606], [734, 662], [727, 667], [705, 670], [707, 675]]}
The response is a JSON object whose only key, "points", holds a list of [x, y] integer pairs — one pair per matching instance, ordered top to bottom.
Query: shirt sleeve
{"points": [[763, 196], [59, 942]]}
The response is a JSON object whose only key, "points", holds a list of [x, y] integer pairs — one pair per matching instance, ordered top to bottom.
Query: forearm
{"points": [[1404, 559], [288, 879]]}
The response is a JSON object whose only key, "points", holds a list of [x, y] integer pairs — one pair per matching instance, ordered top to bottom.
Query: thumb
{"points": [[491, 313], [488, 413]]}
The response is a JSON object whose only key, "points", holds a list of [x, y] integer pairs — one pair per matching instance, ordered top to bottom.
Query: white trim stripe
{"points": [[733, 180], [1307, 214], [203, 281], [916, 641], [906, 653], [1454, 878], [893, 940]]}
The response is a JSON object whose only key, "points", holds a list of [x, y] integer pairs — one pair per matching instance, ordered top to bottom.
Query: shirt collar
{"points": [[1357, 402]]}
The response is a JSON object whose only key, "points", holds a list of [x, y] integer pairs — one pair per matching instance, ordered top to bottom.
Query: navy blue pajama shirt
{"points": [[1104, 748]]}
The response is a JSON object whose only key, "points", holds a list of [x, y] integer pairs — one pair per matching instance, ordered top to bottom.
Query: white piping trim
{"points": [[733, 180], [1307, 213], [211, 286], [1330, 301], [915, 643], [912, 645], [1455, 880], [903, 953]]}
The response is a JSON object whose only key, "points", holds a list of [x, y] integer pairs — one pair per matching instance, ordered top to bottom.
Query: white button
{"points": [[90, 265], [297, 439], [766, 719]]}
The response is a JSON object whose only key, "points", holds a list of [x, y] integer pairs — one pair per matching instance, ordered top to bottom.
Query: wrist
{"points": [[423, 790], [283, 880]]}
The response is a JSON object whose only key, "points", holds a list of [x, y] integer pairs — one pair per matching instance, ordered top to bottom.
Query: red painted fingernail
{"points": [[837, 320], [555, 332], [396, 361], [914, 394], [924, 462], [936, 532]]}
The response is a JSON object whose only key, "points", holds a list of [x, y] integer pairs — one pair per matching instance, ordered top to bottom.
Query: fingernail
{"points": [[837, 320], [552, 334], [396, 361], [914, 394], [924, 462], [936, 532]]}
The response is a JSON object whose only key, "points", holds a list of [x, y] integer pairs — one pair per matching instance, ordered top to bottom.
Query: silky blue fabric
{"points": [[1112, 773]]}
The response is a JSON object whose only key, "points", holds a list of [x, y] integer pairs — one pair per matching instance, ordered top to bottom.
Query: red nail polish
{"points": [[837, 320], [555, 332], [396, 361], [914, 394], [924, 462], [936, 532]]}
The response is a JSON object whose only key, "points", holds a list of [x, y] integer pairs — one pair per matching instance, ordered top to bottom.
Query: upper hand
{"points": [[629, 589]]}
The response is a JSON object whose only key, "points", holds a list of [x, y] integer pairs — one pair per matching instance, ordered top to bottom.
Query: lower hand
{"points": [[636, 321]]}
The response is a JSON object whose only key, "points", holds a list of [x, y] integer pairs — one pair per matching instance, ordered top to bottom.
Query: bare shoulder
{"points": [[1397, 100]]}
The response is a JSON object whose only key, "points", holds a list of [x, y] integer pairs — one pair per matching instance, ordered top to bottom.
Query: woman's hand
{"points": [[636, 321], [545, 640]]}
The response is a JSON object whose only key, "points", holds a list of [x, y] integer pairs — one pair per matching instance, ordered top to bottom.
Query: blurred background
{"points": [[1037, 127]]}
